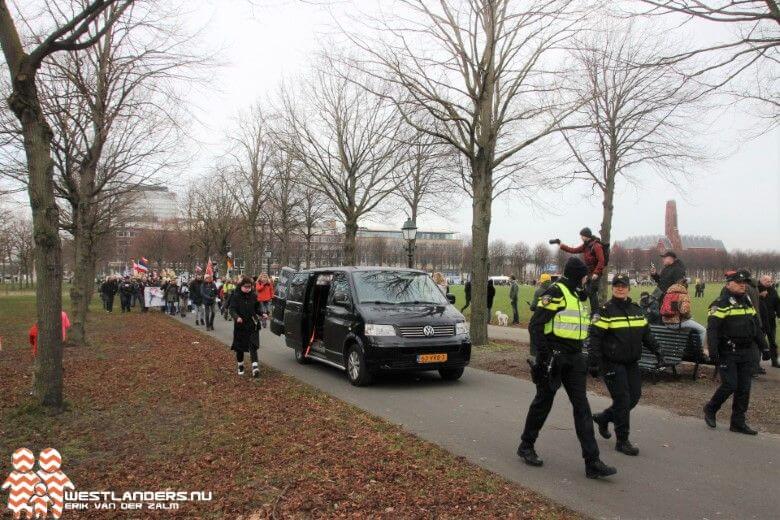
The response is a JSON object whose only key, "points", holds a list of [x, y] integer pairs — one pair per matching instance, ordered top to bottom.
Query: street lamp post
{"points": [[409, 232], [268, 261]]}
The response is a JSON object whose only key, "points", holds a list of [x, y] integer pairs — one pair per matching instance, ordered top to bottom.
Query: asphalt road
{"points": [[684, 470]]}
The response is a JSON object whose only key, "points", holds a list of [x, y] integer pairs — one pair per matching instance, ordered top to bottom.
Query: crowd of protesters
{"points": [[204, 295]]}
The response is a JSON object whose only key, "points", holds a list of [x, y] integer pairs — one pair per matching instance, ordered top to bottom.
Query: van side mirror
{"points": [[451, 298], [341, 299]]}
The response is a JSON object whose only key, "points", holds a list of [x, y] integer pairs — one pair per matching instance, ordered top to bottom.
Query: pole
{"points": [[410, 253]]}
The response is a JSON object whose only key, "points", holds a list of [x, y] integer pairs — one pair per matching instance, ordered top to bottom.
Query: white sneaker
{"points": [[241, 369], [255, 370]]}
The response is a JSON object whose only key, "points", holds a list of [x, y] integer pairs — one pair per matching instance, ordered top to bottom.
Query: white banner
{"points": [[154, 297]]}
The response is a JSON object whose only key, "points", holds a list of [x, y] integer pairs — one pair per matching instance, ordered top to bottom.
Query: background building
{"points": [[671, 239]]}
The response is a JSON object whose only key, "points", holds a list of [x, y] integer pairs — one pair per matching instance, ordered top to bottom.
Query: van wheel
{"points": [[299, 357], [357, 371], [451, 374]]}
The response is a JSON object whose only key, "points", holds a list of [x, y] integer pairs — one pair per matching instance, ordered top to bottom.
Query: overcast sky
{"points": [[735, 199]]}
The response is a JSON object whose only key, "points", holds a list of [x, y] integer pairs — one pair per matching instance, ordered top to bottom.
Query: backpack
{"points": [[604, 248], [676, 303]]}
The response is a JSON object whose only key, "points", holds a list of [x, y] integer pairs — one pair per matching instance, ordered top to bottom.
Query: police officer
{"points": [[558, 327], [732, 327], [619, 331]]}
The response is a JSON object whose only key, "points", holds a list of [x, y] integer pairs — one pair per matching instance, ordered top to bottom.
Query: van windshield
{"points": [[397, 288]]}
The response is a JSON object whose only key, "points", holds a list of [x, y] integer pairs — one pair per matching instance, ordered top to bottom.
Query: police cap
{"points": [[740, 275], [621, 279]]}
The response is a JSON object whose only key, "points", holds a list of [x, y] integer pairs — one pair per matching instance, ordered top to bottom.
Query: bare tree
{"points": [[73, 31], [753, 50], [480, 70], [635, 115], [115, 123], [347, 142], [248, 168], [284, 201], [313, 208], [214, 217], [540, 256], [518, 258]]}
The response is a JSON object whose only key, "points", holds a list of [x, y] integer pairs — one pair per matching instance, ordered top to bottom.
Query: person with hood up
{"points": [[676, 310], [245, 311], [558, 328]]}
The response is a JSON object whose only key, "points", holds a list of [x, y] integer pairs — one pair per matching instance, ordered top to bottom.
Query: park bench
{"points": [[676, 345]]}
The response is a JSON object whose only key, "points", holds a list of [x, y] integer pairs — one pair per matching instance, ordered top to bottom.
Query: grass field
{"points": [[501, 302], [154, 405]]}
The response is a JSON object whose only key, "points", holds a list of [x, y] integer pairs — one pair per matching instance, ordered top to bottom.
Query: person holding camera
{"points": [[594, 256]]}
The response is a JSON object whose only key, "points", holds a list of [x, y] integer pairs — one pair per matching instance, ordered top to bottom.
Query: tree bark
{"points": [[37, 134], [606, 225], [480, 231], [350, 238]]}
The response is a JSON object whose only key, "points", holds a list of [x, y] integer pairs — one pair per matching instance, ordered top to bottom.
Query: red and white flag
{"points": [[210, 268]]}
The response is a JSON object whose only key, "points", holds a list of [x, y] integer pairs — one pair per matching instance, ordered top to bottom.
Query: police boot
{"points": [[709, 416], [603, 425], [743, 428], [627, 448], [528, 454], [596, 469]]}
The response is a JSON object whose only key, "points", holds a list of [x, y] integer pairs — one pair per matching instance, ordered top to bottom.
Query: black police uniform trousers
{"points": [[771, 339], [572, 369], [736, 369], [624, 382]]}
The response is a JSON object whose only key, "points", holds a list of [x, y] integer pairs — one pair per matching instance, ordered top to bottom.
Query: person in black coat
{"points": [[672, 272], [109, 290], [126, 290], [209, 292], [467, 293], [491, 293], [197, 300], [245, 311]]}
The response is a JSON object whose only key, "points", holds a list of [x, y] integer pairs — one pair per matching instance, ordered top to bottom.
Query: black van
{"points": [[369, 319]]}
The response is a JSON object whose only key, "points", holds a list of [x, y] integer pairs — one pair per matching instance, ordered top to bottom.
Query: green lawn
{"points": [[501, 302]]}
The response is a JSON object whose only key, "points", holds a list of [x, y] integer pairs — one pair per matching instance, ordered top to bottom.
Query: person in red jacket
{"points": [[593, 256], [265, 293], [33, 334]]}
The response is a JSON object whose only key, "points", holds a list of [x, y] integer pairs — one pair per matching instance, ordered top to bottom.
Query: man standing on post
{"points": [[593, 254], [514, 292], [770, 311], [732, 327], [558, 328], [616, 343]]}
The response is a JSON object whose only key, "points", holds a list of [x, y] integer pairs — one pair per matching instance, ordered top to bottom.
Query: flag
{"points": [[142, 266], [210, 268], [198, 269]]}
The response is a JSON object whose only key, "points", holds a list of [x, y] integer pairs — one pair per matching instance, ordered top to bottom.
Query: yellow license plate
{"points": [[432, 358]]}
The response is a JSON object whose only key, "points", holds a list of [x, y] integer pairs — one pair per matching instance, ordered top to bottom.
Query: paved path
{"points": [[497, 333], [685, 470]]}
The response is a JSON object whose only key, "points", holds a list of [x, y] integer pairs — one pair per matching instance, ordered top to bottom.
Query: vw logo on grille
{"points": [[428, 331]]}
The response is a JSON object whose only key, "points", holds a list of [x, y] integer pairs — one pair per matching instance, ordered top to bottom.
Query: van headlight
{"points": [[461, 328], [379, 330]]}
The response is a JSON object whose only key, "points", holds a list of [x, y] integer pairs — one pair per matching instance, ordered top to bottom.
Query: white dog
{"points": [[502, 318]]}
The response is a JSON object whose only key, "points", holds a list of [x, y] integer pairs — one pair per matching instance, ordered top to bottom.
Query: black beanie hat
{"points": [[586, 232], [575, 269]]}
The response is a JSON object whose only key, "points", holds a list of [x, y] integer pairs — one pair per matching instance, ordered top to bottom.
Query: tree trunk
{"points": [[606, 227], [480, 231], [350, 237], [48, 252], [82, 287]]}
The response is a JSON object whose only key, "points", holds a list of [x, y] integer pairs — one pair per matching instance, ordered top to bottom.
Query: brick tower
{"points": [[672, 231]]}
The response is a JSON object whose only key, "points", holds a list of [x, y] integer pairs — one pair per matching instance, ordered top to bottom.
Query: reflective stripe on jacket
{"points": [[570, 320]]}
